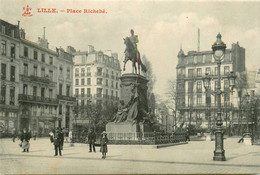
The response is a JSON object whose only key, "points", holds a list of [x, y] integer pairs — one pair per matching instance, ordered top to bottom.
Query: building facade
{"points": [[96, 78], [32, 83], [194, 105]]}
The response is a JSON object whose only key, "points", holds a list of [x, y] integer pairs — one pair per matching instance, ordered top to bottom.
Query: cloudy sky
{"points": [[161, 26]]}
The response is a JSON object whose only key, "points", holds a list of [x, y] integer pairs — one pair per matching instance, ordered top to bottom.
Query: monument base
{"points": [[127, 130], [247, 141]]}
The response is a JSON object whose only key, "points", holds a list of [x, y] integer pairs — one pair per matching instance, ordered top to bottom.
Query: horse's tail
{"points": [[143, 67]]}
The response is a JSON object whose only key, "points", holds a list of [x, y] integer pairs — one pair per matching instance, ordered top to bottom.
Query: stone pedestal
{"points": [[247, 140]]}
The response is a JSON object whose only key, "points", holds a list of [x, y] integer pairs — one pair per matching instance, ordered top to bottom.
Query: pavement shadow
{"points": [[141, 161]]}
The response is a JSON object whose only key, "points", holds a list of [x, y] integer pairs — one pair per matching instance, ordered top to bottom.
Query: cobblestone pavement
{"points": [[195, 157]]}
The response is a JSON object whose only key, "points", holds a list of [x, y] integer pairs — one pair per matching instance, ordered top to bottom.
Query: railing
{"points": [[45, 79], [31, 98], [67, 98], [151, 138]]}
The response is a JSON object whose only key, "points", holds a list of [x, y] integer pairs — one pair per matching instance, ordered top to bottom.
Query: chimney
{"points": [[18, 24], [198, 39], [90, 49]]}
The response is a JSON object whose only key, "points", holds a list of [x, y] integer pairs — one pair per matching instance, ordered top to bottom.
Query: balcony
{"points": [[33, 78], [66, 98], [36, 99]]}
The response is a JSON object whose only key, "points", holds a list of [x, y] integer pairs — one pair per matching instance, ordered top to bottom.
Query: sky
{"points": [[162, 28]]}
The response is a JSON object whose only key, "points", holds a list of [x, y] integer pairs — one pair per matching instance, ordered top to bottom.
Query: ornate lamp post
{"points": [[218, 49]]}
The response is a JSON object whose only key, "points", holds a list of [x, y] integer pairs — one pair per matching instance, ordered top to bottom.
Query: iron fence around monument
{"points": [[147, 138]]}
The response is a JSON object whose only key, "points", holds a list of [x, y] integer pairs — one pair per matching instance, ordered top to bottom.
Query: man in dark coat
{"points": [[91, 140], [58, 141]]}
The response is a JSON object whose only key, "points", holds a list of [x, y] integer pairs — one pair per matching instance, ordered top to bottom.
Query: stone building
{"points": [[96, 78], [33, 85], [192, 106]]}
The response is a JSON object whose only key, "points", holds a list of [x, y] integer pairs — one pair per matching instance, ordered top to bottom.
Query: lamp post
{"points": [[218, 49]]}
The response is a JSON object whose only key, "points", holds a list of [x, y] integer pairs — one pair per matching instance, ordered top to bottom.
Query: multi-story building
{"points": [[9, 61], [96, 77], [34, 88], [196, 107]]}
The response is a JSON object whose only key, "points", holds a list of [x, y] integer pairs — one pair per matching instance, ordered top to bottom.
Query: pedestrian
{"points": [[14, 134], [51, 134], [187, 134], [34, 135], [25, 138], [62, 138], [91, 140], [57, 142], [103, 144]]}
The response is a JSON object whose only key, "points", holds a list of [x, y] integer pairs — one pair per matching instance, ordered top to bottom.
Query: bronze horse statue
{"points": [[132, 54]]}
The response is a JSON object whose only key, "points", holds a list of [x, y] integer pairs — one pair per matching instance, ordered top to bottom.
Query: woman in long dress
{"points": [[25, 138], [103, 143]]}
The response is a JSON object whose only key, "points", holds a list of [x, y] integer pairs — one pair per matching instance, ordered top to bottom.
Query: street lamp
{"points": [[218, 49]]}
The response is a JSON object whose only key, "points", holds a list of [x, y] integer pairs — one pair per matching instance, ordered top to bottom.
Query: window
{"points": [[3, 29], [12, 33], [3, 47], [13, 50], [25, 52], [35, 55], [227, 57], [43, 58], [190, 59], [51, 60], [25, 69], [35, 70], [208, 70], [216, 70], [226, 70], [3, 71], [61, 71], [88, 71], [99, 71], [43, 72], [76, 72], [83, 72], [199, 72], [68, 73], [190, 73], [51, 74], [12, 76], [77, 81], [82, 81], [89, 81], [99, 81], [106, 82], [112, 83], [216, 84], [226, 84], [116, 85], [199, 85], [190, 86], [25, 89], [60, 89], [3, 91], [34, 91], [68, 91], [82, 91], [42, 92], [77, 92], [88, 92], [99, 92], [50, 93], [112, 93], [116, 94], [12, 95], [199, 99], [226, 99], [190, 100], [82, 103], [60, 109]]}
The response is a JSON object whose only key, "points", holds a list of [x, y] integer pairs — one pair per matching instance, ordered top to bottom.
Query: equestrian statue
{"points": [[132, 53]]}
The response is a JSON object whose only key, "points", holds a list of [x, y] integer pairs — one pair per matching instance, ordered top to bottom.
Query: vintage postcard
{"points": [[129, 87]]}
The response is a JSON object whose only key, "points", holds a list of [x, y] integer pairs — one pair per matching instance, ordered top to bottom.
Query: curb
{"points": [[169, 144]]}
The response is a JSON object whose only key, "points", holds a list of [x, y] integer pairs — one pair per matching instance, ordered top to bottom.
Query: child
{"points": [[103, 142]]}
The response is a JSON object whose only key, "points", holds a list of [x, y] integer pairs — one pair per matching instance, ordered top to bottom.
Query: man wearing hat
{"points": [[91, 140], [57, 141], [103, 144]]}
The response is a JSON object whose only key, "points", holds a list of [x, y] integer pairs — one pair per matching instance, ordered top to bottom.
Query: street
{"points": [[195, 157]]}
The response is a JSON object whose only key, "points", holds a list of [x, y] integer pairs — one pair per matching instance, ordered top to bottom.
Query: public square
{"points": [[194, 157]]}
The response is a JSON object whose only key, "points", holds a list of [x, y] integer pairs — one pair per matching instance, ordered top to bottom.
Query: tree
{"points": [[152, 79]]}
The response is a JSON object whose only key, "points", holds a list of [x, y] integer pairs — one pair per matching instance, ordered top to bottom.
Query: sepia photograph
{"points": [[129, 87]]}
